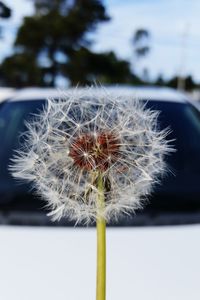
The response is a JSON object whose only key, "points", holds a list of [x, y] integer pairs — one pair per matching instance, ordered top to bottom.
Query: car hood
{"points": [[60, 263]]}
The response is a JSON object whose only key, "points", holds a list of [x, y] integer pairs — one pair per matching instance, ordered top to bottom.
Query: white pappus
{"points": [[86, 133]]}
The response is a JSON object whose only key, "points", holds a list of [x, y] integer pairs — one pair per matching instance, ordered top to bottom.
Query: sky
{"points": [[174, 26]]}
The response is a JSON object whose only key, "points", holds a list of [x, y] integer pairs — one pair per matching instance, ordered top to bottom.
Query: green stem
{"points": [[101, 244]]}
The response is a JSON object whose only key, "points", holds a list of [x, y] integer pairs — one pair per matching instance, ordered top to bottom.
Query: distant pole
{"points": [[183, 56]]}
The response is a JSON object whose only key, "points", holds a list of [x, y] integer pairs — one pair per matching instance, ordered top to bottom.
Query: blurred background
{"points": [[61, 43]]}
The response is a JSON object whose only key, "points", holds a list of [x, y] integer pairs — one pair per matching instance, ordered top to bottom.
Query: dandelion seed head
{"points": [[82, 135]]}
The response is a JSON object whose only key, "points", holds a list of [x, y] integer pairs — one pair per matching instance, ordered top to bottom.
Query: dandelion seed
{"points": [[84, 134]]}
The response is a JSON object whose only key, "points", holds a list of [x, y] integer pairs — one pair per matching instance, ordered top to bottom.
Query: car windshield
{"points": [[183, 121], [12, 125], [179, 190]]}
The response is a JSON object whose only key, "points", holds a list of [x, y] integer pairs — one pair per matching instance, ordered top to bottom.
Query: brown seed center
{"points": [[95, 152]]}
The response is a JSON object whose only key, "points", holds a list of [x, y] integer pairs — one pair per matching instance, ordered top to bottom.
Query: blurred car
{"points": [[6, 93], [195, 103], [175, 200], [159, 262]]}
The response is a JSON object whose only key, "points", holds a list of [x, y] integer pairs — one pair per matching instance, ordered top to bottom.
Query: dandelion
{"points": [[93, 156]]}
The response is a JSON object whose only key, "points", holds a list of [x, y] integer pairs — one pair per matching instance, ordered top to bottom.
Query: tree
{"points": [[5, 11], [57, 30], [55, 42], [140, 42], [141, 48], [86, 67], [21, 70], [160, 81], [189, 83]]}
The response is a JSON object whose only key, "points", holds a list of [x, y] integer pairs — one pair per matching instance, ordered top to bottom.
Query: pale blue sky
{"points": [[167, 21]]}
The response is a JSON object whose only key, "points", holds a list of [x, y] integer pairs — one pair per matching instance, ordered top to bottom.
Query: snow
{"points": [[146, 263]]}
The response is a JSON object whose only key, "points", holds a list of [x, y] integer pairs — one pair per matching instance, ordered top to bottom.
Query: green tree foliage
{"points": [[5, 11], [59, 26], [55, 36], [55, 41], [140, 42], [141, 47], [86, 67], [21, 70], [160, 80], [188, 82]]}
